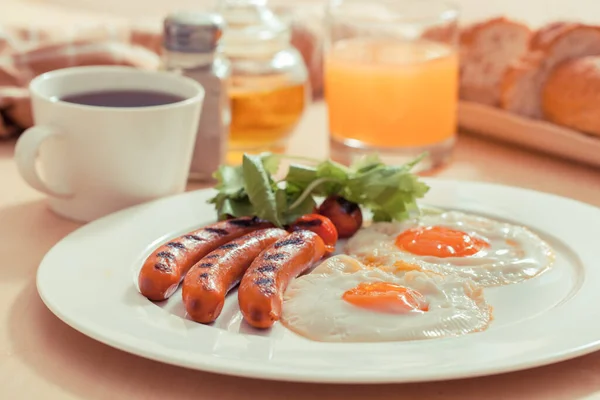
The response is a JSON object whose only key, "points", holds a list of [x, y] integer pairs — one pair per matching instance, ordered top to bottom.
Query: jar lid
{"points": [[252, 28], [192, 32]]}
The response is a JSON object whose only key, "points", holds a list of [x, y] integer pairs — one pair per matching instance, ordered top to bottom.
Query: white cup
{"points": [[94, 160]]}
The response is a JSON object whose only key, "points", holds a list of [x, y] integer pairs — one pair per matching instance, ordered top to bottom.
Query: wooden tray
{"points": [[538, 135]]}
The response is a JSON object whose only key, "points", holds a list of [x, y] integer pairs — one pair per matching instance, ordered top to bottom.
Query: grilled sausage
{"points": [[164, 269], [208, 281], [261, 290]]}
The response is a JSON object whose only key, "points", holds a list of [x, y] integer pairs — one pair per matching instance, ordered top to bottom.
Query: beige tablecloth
{"points": [[43, 358]]}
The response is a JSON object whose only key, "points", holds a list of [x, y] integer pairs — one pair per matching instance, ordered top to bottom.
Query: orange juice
{"points": [[390, 93]]}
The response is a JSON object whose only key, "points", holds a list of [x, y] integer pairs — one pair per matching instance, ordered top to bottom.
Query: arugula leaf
{"points": [[417, 160], [270, 162], [365, 163], [331, 169], [336, 174], [300, 175], [327, 178], [230, 180], [260, 189], [389, 192], [286, 199], [281, 200], [218, 201], [306, 206], [236, 208], [381, 216]]}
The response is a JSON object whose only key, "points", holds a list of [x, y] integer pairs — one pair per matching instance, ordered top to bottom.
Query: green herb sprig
{"points": [[250, 189]]}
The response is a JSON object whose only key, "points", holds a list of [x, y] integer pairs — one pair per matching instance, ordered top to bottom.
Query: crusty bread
{"points": [[549, 32], [445, 33], [487, 48], [83, 52], [9, 76], [521, 88], [571, 95], [15, 104]]}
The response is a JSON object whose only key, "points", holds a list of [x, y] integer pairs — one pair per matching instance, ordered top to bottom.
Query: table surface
{"points": [[41, 357]]}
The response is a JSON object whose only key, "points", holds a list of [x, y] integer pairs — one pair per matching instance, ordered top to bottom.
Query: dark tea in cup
{"points": [[123, 98]]}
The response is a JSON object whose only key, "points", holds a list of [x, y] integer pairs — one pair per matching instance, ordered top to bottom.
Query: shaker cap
{"points": [[192, 32]]}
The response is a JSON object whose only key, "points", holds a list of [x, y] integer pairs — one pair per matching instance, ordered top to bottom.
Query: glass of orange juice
{"points": [[391, 79]]}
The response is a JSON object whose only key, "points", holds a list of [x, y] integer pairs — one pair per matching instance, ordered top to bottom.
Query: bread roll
{"points": [[544, 36], [486, 50], [81, 53], [9, 76], [521, 88], [571, 95], [16, 106]]}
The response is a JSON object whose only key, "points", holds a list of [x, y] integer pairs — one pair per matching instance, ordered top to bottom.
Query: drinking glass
{"points": [[391, 79]]}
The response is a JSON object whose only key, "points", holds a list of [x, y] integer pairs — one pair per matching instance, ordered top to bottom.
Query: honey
{"points": [[268, 85], [263, 120]]}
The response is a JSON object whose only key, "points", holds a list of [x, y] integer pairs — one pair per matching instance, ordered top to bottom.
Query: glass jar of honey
{"points": [[268, 86]]}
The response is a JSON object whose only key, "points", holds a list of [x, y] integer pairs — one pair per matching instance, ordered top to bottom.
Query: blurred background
{"points": [[55, 12], [41, 35]]}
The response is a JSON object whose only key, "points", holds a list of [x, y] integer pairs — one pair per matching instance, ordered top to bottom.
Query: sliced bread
{"points": [[486, 50], [521, 88], [571, 95]]}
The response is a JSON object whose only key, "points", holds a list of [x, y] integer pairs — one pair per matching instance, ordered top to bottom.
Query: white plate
{"points": [[534, 134], [88, 280]]}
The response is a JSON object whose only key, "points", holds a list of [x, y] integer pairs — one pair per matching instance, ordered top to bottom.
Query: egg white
{"points": [[515, 253], [314, 308]]}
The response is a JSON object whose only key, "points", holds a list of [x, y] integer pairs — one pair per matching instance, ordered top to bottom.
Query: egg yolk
{"points": [[439, 241], [386, 297]]}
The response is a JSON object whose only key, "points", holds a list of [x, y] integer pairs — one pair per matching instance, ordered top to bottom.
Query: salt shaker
{"points": [[191, 48]]}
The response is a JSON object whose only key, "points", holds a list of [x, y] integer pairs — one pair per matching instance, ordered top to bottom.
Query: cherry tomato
{"points": [[345, 215], [320, 225]]}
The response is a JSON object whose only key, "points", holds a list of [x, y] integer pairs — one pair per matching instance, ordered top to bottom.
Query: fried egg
{"points": [[489, 252], [345, 301]]}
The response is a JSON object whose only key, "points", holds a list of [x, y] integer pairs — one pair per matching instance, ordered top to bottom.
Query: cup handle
{"points": [[26, 153]]}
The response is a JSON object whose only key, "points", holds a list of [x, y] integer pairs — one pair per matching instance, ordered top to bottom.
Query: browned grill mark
{"points": [[348, 206], [244, 222], [310, 223], [217, 231], [194, 237], [289, 242], [176, 245], [228, 246], [166, 254], [214, 255], [274, 257], [206, 265], [162, 267], [266, 268], [203, 276], [264, 281], [267, 290]]}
